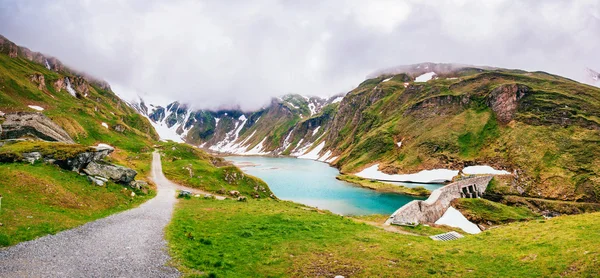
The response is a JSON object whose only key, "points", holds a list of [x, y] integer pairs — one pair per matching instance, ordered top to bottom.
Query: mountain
{"points": [[594, 75], [85, 107], [288, 125], [543, 128]]}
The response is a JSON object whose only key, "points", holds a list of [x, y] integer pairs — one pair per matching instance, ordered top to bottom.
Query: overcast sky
{"points": [[225, 53]]}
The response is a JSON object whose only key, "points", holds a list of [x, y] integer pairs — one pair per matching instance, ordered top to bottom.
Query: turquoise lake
{"points": [[313, 183]]}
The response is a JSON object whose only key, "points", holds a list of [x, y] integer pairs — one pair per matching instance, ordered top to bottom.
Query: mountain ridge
{"points": [[466, 116]]}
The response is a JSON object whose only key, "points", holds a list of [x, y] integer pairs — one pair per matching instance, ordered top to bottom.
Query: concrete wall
{"points": [[435, 206]]}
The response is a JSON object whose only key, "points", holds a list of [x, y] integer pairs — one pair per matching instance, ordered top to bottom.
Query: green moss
{"points": [[59, 151]]}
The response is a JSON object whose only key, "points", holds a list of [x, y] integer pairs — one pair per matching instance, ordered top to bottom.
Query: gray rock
{"points": [[26, 124], [32, 157], [82, 160], [115, 173], [96, 180], [139, 185], [185, 193]]}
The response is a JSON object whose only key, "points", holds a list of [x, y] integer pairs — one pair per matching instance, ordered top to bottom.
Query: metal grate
{"points": [[447, 236]]}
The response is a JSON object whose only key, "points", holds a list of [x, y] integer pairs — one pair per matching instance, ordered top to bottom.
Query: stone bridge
{"points": [[430, 210]]}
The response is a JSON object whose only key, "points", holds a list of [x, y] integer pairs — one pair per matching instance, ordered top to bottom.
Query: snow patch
{"points": [[47, 64], [425, 77], [386, 80], [337, 99], [35, 107], [313, 108], [217, 122], [105, 125], [316, 130], [166, 133], [286, 141], [228, 144], [399, 144], [103, 146], [257, 150], [299, 150], [314, 153], [325, 156], [331, 159], [483, 169], [425, 176], [453, 218]]}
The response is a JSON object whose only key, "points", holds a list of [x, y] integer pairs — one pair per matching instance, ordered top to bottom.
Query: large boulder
{"points": [[27, 124], [115, 173]]}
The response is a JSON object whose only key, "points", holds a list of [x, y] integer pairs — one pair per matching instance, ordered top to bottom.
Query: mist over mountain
{"points": [[214, 55]]}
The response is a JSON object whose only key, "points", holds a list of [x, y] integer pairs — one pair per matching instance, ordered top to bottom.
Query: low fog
{"points": [[215, 54]]}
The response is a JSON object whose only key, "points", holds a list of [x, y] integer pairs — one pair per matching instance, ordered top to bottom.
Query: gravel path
{"points": [[128, 244]]}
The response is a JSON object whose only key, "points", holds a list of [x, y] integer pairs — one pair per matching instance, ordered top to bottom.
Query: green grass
{"points": [[80, 117], [193, 167], [384, 187], [43, 199], [484, 211], [268, 238]]}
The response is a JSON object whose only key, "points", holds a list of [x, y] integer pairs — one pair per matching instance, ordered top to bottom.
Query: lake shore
{"points": [[418, 191]]}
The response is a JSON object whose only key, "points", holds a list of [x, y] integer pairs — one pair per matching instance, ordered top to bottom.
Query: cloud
{"points": [[215, 54]]}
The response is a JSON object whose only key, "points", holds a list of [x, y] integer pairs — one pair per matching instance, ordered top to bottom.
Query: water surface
{"points": [[313, 183]]}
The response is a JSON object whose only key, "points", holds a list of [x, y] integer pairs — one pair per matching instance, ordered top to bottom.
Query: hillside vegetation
{"points": [[24, 82], [543, 127], [192, 167], [44, 199], [274, 238]]}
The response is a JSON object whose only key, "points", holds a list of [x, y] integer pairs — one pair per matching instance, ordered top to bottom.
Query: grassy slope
{"points": [[81, 118], [559, 162], [208, 173], [44, 199], [58, 199], [484, 211], [273, 238]]}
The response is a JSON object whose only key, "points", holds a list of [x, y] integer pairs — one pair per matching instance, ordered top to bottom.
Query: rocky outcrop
{"points": [[9, 48], [39, 80], [59, 85], [81, 86], [504, 101], [439, 106], [26, 125], [81, 160], [89, 162], [118, 174]]}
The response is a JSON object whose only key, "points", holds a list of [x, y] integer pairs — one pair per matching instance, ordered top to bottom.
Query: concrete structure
{"points": [[430, 210]]}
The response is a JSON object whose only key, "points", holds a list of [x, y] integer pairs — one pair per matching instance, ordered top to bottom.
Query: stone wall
{"points": [[430, 210]]}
